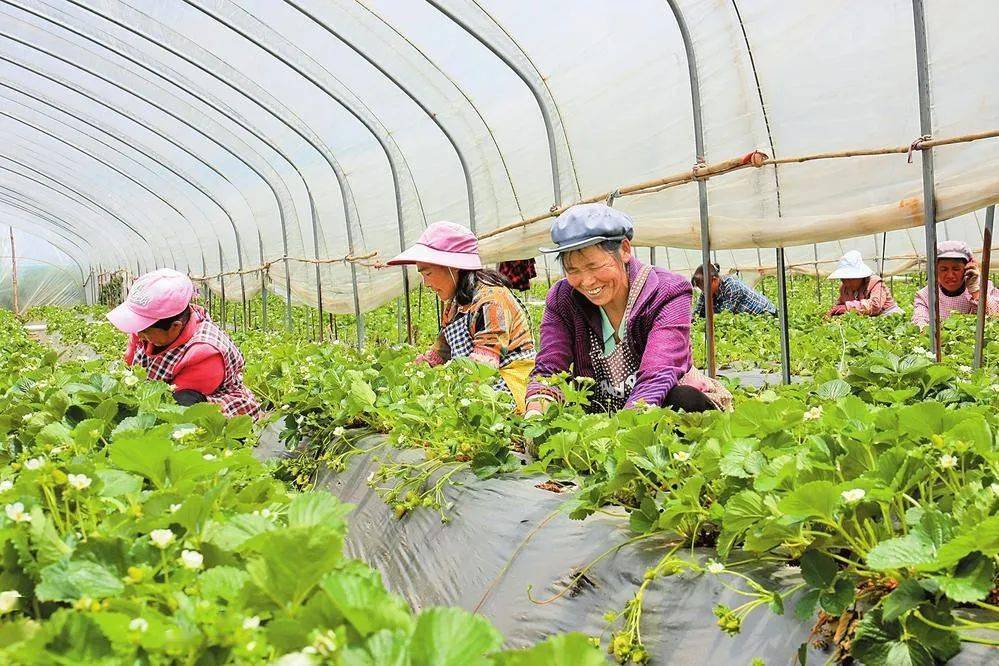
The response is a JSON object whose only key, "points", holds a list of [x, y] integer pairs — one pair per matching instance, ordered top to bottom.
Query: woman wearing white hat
{"points": [[860, 290]]}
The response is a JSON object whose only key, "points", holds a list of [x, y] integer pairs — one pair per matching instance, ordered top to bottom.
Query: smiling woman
{"points": [[619, 322]]}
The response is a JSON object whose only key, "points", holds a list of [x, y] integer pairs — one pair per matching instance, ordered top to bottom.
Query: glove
{"points": [[837, 310]]}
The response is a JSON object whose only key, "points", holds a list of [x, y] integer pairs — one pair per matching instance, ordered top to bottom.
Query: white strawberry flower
{"points": [[965, 369], [129, 380], [465, 402], [813, 414], [338, 431], [184, 432], [209, 456], [681, 456], [947, 461], [34, 463], [79, 481], [6, 485], [994, 487], [853, 495], [174, 508], [16, 513], [161, 538], [192, 559], [715, 567], [8, 601], [251, 623], [139, 625], [296, 659]]}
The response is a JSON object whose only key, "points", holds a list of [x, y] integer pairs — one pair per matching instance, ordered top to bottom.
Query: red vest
{"points": [[231, 396]]}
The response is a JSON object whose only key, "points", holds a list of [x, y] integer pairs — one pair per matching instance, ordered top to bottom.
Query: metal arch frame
{"points": [[74, 31], [461, 91], [228, 113], [124, 114], [430, 114], [545, 115], [181, 120], [381, 140], [315, 142], [98, 159], [926, 159], [159, 160], [61, 162], [574, 177], [702, 189], [75, 198], [78, 198], [29, 205], [47, 224], [60, 227], [31, 229], [785, 337]]}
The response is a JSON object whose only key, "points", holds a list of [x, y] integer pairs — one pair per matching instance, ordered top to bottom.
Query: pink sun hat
{"points": [[443, 244], [154, 296]]}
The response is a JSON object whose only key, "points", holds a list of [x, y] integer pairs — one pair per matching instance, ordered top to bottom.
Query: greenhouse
{"points": [[447, 332]]}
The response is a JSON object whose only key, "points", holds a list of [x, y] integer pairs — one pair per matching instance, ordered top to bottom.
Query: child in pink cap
{"points": [[958, 281], [483, 319], [177, 343]]}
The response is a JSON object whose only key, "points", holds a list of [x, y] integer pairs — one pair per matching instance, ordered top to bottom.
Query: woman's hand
{"points": [[972, 277], [836, 311], [536, 408]]}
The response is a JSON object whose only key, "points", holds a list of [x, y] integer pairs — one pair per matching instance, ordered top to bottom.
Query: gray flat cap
{"points": [[588, 224]]}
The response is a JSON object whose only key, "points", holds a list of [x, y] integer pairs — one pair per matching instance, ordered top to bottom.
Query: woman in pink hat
{"points": [[959, 282], [483, 319], [177, 343]]}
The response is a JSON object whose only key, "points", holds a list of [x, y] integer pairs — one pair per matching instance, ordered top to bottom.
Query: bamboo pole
{"points": [[13, 275]]}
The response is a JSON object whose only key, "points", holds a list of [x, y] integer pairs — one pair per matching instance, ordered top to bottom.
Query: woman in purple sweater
{"points": [[617, 321]]}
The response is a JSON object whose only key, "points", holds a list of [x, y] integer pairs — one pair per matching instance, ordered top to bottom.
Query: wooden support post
{"points": [[15, 303]]}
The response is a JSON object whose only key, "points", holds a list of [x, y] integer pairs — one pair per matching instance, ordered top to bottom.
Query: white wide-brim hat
{"points": [[851, 266]]}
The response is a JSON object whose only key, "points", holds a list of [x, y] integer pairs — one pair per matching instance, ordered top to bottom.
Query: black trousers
{"points": [[187, 397], [688, 399]]}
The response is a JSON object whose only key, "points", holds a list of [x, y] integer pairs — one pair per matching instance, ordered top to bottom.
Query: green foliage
{"points": [[138, 531]]}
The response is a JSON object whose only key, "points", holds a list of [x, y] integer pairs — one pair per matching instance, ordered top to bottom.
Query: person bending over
{"points": [[860, 290], [730, 294], [483, 319], [178, 343]]}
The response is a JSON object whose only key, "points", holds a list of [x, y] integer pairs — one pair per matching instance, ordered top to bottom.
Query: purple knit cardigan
{"points": [[659, 326]]}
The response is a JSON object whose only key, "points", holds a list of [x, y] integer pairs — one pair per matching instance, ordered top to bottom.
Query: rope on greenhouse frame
{"points": [[755, 159], [266, 266]]}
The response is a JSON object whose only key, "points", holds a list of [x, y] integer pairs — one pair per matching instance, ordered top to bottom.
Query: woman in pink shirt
{"points": [[959, 283], [860, 290], [177, 343]]}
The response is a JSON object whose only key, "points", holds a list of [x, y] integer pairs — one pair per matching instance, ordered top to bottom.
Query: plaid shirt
{"points": [[519, 272], [736, 296]]}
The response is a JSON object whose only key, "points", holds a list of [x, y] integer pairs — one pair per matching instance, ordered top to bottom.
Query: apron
{"points": [[513, 373], [616, 374]]}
